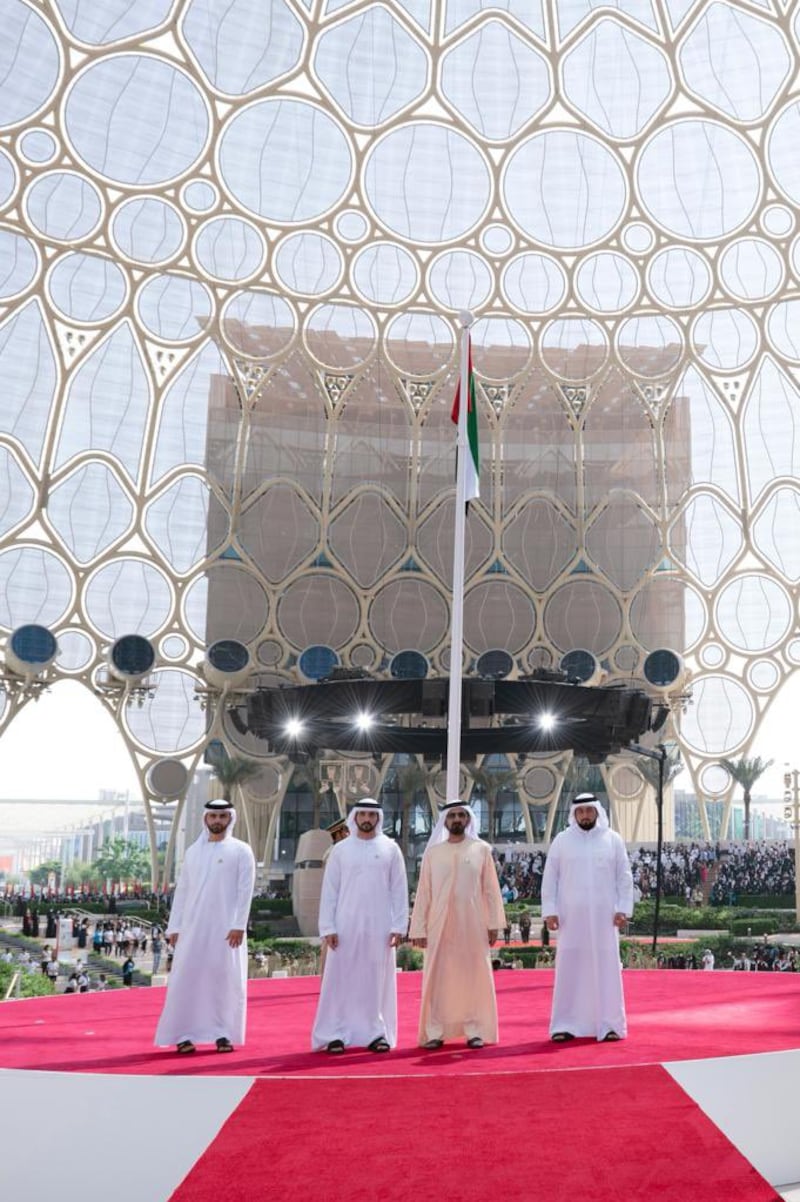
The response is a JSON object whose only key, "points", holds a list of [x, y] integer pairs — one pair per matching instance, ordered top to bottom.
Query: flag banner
{"points": [[472, 483]]}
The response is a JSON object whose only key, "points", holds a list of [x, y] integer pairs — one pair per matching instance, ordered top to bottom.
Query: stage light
{"points": [[31, 650], [227, 662], [364, 721], [546, 721], [294, 728]]}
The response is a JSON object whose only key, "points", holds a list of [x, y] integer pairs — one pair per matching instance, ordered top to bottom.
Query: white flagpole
{"points": [[457, 604]]}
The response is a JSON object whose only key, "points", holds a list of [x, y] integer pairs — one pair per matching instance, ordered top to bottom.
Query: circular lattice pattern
{"points": [[231, 268]]}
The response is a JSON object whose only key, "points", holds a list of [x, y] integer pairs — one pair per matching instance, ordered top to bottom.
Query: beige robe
{"points": [[458, 902]]}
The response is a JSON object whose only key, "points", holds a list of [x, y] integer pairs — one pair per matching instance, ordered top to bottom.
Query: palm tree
{"points": [[649, 769], [232, 771], [746, 772], [312, 773], [582, 777], [411, 779], [491, 782]]}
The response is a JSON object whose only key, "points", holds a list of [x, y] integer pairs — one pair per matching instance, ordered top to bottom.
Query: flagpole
{"points": [[457, 604]]}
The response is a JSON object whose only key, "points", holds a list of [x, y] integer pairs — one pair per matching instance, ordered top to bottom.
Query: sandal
{"points": [[562, 1036], [611, 1037], [475, 1042], [224, 1045], [379, 1045], [433, 1045], [186, 1047], [335, 1047]]}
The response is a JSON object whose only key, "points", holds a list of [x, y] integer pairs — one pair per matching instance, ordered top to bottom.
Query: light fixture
{"points": [[30, 651], [130, 658], [227, 663], [364, 721], [546, 721], [294, 728]]}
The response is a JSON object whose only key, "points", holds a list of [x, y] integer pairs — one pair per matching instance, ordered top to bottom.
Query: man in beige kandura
{"points": [[458, 913]]}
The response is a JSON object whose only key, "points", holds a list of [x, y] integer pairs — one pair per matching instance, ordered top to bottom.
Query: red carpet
{"points": [[672, 1015], [583, 1136]]}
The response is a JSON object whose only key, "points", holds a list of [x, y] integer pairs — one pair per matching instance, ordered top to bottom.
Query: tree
{"points": [[648, 768], [232, 771], [746, 772], [312, 773], [582, 777], [412, 779], [491, 782], [122, 860], [81, 872], [39, 874]]}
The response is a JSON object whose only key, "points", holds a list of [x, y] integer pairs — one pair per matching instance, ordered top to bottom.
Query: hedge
{"points": [[275, 905], [754, 926], [31, 984]]}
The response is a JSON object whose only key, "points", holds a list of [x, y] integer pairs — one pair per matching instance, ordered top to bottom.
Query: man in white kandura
{"points": [[587, 895], [458, 912], [363, 916], [207, 991]]}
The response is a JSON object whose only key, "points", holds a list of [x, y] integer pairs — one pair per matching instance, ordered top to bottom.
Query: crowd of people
{"points": [[763, 869]]}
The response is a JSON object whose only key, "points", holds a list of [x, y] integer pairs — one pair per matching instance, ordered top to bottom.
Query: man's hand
{"points": [[620, 921], [551, 922], [235, 938], [492, 938], [395, 939], [172, 940], [331, 941], [423, 943]]}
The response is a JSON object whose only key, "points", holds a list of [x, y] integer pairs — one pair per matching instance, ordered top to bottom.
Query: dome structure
{"points": [[234, 242]]}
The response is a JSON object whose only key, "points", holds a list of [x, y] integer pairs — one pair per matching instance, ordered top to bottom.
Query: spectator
{"points": [[156, 946], [127, 971]]}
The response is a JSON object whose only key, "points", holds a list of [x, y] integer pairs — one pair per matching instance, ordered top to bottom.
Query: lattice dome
{"points": [[234, 241]]}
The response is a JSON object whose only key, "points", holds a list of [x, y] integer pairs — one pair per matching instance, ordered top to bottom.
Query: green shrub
{"points": [[279, 906], [673, 918], [754, 926], [293, 947], [528, 955], [409, 958], [31, 984]]}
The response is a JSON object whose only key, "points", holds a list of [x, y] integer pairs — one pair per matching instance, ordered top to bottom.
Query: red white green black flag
{"points": [[472, 482]]}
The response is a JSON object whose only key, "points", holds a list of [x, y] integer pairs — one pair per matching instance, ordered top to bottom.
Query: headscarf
{"points": [[588, 799], [366, 803], [218, 805], [440, 833]]}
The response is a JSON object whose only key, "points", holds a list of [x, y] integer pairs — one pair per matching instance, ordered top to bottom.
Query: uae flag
{"points": [[472, 482]]}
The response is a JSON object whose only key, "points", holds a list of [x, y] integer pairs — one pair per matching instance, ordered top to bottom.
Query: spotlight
{"points": [[364, 721], [546, 721], [294, 727]]}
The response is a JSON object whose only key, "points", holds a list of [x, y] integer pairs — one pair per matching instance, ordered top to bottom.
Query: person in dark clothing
{"points": [[127, 971]]}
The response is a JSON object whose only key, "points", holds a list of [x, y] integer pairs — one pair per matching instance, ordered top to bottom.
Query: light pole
{"points": [[660, 754], [791, 812]]}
